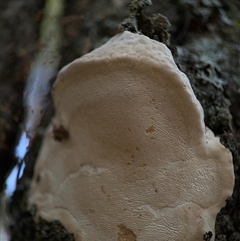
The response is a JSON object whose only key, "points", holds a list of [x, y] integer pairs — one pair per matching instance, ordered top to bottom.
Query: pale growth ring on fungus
{"points": [[139, 163]]}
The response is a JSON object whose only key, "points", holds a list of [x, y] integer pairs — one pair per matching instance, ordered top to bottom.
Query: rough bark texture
{"points": [[205, 40]]}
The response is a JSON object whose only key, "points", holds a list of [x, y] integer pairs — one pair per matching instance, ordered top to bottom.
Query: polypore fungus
{"points": [[138, 163]]}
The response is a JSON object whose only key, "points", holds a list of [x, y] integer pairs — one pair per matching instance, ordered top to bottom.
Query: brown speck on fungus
{"points": [[109, 90], [150, 130], [60, 133], [38, 178], [125, 234]]}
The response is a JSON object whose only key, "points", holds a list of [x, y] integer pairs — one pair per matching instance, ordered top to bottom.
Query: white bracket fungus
{"points": [[137, 162]]}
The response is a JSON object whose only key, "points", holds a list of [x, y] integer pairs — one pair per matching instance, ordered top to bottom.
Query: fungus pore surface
{"points": [[138, 162]]}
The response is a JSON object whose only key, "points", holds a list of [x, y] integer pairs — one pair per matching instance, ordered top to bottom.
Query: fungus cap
{"points": [[138, 162]]}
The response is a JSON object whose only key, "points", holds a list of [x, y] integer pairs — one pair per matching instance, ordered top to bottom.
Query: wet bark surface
{"points": [[205, 41]]}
